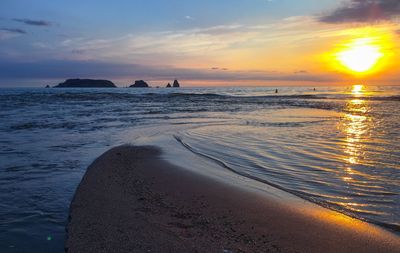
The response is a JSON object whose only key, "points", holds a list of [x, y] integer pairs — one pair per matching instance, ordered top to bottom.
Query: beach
{"points": [[131, 199]]}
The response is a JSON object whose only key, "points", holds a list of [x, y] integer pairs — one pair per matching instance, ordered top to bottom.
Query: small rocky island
{"points": [[86, 83], [139, 84], [174, 85]]}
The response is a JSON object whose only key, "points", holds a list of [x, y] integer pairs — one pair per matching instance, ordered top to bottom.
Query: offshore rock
{"points": [[86, 83], [139, 84], [176, 84]]}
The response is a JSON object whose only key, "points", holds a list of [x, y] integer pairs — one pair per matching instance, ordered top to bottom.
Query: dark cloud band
{"points": [[363, 11], [33, 22], [13, 30], [91, 69]]}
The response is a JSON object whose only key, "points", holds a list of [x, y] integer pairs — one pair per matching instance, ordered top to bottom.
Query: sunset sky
{"points": [[225, 42]]}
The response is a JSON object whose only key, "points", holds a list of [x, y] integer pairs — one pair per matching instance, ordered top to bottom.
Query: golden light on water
{"points": [[360, 55], [357, 89], [356, 126]]}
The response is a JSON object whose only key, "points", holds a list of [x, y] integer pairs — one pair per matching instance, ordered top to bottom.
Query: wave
{"points": [[125, 95], [289, 96], [388, 98], [283, 124]]}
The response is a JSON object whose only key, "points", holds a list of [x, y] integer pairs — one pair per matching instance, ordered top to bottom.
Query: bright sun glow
{"points": [[360, 56]]}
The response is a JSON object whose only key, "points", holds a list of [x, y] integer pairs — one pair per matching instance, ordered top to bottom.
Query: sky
{"points": [[202, 43]]}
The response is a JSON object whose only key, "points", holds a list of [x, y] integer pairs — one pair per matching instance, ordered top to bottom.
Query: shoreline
{"points": [[132, 200], [387, 226]]}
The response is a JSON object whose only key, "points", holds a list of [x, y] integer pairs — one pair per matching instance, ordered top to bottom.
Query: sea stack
{"points": [[86, 83], [139, 84], [176, 84], [168, 85]]}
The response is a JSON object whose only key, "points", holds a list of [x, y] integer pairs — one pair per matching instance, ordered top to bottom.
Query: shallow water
{"points": [[333, 146]]}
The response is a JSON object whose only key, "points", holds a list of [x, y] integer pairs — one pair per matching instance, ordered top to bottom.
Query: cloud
{"points": [[362, 11], [33, 22], [220, 29], [13, 30], [7, 33], [194, 44], [157, 46], [77, 51], [218, 68], [301, 72]]}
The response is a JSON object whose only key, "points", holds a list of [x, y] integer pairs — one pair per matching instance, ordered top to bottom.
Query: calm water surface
{"points": [[338, 147]]}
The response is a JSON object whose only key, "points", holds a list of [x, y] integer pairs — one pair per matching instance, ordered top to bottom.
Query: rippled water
{"points": [[333, 146]]}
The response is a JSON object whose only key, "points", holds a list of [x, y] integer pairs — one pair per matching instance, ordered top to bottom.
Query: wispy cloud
{"points": [[363, 11], [33, 22], [13, 30], [8, 33], [207, 42], [218, 68], [301, 72]]}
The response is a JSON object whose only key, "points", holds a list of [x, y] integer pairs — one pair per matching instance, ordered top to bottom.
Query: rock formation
{"points": [[86, 83], [139, 84], [176, 84], [168, 85]]}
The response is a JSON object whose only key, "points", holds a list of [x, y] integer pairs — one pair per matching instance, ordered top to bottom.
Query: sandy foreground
{"points": [[132, 200]]}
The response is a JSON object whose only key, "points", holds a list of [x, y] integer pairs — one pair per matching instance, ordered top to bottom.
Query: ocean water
{"points": [[338, 147]]}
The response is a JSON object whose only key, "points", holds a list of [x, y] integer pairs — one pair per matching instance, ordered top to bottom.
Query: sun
{"points": [[360, 56]]}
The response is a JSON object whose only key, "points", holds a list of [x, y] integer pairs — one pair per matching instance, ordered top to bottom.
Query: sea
{"points": [[335, 146]]}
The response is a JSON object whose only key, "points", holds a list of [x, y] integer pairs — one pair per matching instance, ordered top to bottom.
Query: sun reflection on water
{"points": [[357, 89], [356, 126]]}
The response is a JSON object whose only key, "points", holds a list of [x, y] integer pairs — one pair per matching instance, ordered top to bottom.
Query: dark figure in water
{"points": [[314, 89], [276, 91]]}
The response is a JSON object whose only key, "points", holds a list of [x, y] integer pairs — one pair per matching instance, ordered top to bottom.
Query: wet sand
{"points": [[132, 200]]}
